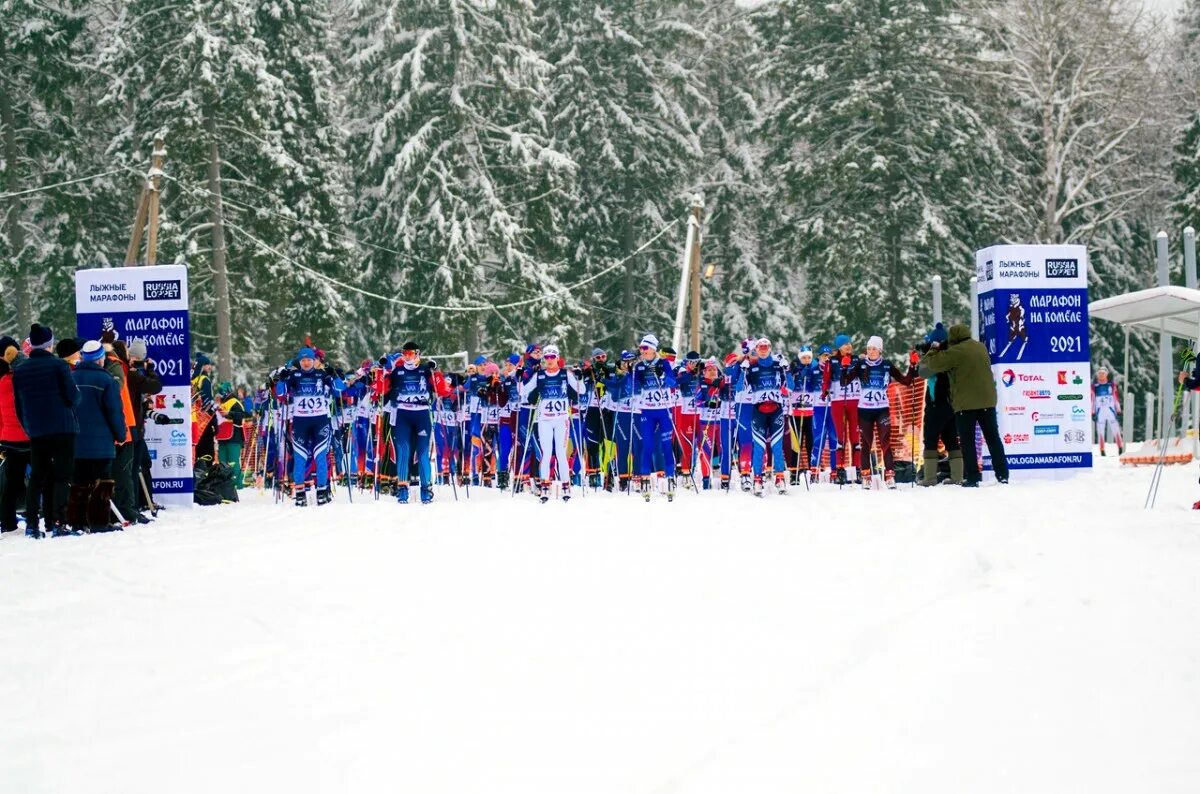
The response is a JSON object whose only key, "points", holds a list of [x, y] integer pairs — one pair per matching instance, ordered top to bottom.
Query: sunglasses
{"points": [[645, 347], [550, 356]]}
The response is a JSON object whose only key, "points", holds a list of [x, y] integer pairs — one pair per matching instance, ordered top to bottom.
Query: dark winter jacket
{"points": [[967, 363], [143, 382], [45, 395], [101, 418]]}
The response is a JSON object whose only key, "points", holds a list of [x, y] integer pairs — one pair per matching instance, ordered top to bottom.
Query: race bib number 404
{"points": [[656, 398]]}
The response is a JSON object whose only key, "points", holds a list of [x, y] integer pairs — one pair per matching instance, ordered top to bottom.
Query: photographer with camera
{"points": [[973, 395], [939, 416]]}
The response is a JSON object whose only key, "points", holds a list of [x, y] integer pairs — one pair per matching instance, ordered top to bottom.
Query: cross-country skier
{"points": [[1016, 325], [875, 373], [816, 379], [653, 381], [766, 381], [412, 385], [510, 385], [551, 389], [308, 392], [710, 395], [844, 402], [1106, 410], [687, 414], [594, 428], [627, 437], [798, 440]]}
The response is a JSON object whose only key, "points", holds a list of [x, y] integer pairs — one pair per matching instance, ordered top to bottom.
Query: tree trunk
{"points": [[12, 224], [220, 276]]}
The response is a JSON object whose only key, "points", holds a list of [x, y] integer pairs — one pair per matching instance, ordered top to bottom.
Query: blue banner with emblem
{"points": [[151, 304], [1033, 320]]}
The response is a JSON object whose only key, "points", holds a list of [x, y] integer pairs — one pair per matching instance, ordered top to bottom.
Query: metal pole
{"points": [[1189, 258], [937, 299], [975, 309], [1164, 343], [1149, 416]]}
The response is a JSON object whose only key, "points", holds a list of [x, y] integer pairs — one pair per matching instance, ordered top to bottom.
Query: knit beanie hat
{"points": [[40, 336], [67, 347], [92, 351]]}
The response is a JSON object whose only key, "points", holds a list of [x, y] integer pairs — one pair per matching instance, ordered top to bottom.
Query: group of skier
{"points": [[639, 422]]}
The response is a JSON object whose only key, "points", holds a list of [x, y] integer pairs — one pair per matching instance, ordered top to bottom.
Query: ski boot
{"points": [[1102, 453], [814, 476], [841, 476], [795, 478], [443, 479], [475, 480], [864, 480], [889, 480], [502, 481], [594, 482], [706, 483], [725, 483], [746, 483], [608, 484], [781, 484], [624, 485], [758, 486], [645, 488], [670, 489], [542, 490], [566, 492], [402, 494], [427, 494], [301, 495], [324, 497], [62, 530], [32, 531]]}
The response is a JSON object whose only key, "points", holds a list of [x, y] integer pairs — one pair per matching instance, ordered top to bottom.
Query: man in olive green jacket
{"points": [[973, 395]]}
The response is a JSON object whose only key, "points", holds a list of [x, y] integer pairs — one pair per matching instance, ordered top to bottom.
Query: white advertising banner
{"points": [[1033, 319]]}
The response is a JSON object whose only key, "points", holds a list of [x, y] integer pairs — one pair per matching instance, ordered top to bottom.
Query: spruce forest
{"points": [[475, 174]]}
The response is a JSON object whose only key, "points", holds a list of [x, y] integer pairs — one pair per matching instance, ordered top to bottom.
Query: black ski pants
{"points": [[985, 419], [52, 460]]}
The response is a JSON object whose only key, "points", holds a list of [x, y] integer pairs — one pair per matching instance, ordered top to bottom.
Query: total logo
{"points": [[1009, 377], [1074, 378], [1037, 394], [1016, 438]]}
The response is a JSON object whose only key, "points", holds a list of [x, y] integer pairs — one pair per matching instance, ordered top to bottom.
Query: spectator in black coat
{"points": [[46, 396], [939, 417], [101, 428]]}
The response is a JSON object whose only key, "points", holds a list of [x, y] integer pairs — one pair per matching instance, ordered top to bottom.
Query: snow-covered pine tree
{"points": [[626, 92], [1083, 92], [240, 93], [41, 144], [877, 144], [453, 162], [1186, 165], [754, 290]]}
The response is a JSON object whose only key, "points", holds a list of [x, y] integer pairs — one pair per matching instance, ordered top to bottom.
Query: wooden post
{"points": [[155, 187], [697, 219]]}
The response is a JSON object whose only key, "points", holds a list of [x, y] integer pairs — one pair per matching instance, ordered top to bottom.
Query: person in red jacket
{"points": [[14, 446]]}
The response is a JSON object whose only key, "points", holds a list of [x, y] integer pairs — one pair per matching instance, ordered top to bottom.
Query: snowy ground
{"points": [[1043, 637]]}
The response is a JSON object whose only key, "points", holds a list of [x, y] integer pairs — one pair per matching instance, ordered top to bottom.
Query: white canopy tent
{"points": [[1170, 311]]}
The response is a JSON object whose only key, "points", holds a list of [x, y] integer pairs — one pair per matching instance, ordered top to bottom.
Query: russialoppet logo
{"points": [[1062, 268], [164, 290], [1046, 430]]}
